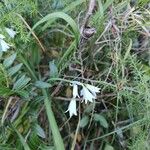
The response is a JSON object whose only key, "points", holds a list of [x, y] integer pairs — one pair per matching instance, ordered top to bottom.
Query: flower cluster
{"points": [[4, 46], [88, 93]]}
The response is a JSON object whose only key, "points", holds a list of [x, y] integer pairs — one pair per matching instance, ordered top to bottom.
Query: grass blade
{"points": [[59, 15], [67, 53], [55, 131], [22, 140]]}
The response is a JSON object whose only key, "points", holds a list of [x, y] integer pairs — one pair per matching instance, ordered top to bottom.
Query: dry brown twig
{"points": [[86, 31], [32, 32]]}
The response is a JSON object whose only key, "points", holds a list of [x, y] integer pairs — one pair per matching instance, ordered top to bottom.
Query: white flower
{"points": [[11, 32], [3, 45], [77, 83], [75, 89], [93, 89], [88, 92], [87, 95], [72, 107]]}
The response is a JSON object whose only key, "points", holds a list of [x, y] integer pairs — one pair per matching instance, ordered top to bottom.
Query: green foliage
{"points": [[53, 69], [34, 81], [41, 84], [99, 118], [84, 121], [40, 132], [108, 147]]}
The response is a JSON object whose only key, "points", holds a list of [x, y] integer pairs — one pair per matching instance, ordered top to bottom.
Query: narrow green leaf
{"points": [[107, 4], [73, 5], [101, 10], [59, 15], [70, 49], [128, 50], [36, 55], [9, 60], [25, 62], [14, 69], [53, 69], [21, 82], [41, 84], [4, 91], [23, 93], [89, 108], [99, 118], [84, 121], [40, 132], [58, 141], [25, 145], [6, 147], [45, 147], [108, 147]]}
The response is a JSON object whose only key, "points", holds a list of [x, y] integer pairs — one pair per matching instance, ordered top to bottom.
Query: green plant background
{"points": [[45, 56]]}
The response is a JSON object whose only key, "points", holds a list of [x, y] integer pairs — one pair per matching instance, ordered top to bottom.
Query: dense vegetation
{"points": [[58, 41]]}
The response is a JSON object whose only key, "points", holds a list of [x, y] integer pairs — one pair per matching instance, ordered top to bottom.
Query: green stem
{"points": [[67, 53], [28, 67], [58, 142], [59, 145]]}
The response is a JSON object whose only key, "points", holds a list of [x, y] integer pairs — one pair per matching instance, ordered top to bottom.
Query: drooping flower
{"points": [[11, 32], [3, 45], [75, 89], [93, 89], [87, 95], [72, 108]]}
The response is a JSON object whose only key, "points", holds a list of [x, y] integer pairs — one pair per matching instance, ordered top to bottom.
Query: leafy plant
{"points": [[49, 51]]}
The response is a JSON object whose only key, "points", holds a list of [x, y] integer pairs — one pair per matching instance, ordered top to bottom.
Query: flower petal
{"points": [[11, 32], [4, 46], [76, 82], [92, 88], [75, 91], [87, 96], [72, 108]]}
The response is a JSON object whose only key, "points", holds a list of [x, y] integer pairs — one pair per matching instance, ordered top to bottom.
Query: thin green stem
{"points": [[67, 53], [28, 67], [138, 122], [77, 130]]}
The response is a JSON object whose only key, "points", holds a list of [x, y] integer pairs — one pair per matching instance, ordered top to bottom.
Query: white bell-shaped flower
{"points": [[11, 32], [3, 45], [93, 89], [75, 90], [88, 92], [87, 95], [72, 108]]}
